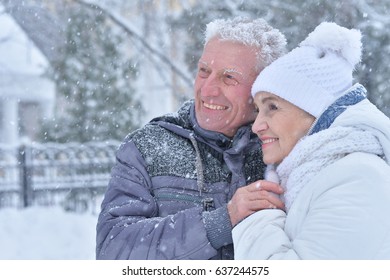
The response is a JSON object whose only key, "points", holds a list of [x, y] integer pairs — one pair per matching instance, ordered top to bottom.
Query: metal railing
{"points": [[73, 175]]}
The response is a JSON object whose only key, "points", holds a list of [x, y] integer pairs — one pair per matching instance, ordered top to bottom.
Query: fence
{"points": [[72, 175]]}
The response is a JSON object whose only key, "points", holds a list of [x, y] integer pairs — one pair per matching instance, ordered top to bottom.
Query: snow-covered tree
{"points": [[296, 18], [149, 23], [94, 79]]}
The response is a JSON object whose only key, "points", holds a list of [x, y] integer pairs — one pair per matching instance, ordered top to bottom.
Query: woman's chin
{"points": [[270, 161]]}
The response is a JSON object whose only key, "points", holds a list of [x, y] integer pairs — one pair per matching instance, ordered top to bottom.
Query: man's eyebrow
{"points": [[225, 70], [232, 70]]}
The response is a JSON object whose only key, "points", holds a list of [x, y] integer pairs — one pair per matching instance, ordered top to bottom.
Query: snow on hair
{"points": [[328, 36], [270, 42]]}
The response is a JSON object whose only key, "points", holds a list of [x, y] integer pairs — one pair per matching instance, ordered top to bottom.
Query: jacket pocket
{"points": [[174, 194], [170, 203]]}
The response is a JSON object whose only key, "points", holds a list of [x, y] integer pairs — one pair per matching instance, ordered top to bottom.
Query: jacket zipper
{"points": [[206, 202]]}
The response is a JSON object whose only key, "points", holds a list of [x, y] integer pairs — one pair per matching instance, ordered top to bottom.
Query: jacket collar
{"points": [[353, 96], [184, 123]]}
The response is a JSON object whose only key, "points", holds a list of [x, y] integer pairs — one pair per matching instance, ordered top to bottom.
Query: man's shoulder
{"points": [[167, 126], [148, 130], [154, 136], [164, 151]]}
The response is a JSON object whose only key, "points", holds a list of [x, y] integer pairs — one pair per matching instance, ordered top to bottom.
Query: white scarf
{"points": [[315, 152]]}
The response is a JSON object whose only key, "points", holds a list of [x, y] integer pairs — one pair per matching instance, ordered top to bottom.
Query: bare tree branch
{"points": [[132, 32]]}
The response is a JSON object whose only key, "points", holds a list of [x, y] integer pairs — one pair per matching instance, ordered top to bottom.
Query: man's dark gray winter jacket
{"points": [[169, 189]]}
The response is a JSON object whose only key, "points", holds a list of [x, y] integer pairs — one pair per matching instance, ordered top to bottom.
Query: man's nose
{"points": [[211, 86]]}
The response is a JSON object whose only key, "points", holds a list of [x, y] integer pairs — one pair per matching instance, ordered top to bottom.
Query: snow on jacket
{"points": [[169, 189], [339, 212]]}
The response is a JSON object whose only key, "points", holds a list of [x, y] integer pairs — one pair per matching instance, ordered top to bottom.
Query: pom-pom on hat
{"points": [[318, 72]]}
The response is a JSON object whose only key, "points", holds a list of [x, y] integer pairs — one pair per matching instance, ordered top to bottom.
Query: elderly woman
{"points": [[331, 150]]}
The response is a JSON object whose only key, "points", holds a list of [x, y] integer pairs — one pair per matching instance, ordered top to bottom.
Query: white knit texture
{"points": [[328, 36], [315, 74], [315, 152]]}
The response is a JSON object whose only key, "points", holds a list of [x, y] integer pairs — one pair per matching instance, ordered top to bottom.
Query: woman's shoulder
{"points": [[361, 165], [355, 174]]}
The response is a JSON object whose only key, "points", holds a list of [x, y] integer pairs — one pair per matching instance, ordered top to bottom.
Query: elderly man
{"points": [[184, 180]]}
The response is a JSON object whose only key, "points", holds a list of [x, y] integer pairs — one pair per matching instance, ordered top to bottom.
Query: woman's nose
{"points": [[259, 125]]}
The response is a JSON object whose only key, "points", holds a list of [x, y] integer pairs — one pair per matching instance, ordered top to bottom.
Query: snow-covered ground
{"points": [[46, 233]]}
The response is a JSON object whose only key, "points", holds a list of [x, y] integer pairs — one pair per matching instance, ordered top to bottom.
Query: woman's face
{"points": [[279, 125]]}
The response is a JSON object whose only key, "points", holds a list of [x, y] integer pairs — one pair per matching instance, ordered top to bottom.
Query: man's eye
{"points": [[203, 72], [229, 76], [229, 79]]}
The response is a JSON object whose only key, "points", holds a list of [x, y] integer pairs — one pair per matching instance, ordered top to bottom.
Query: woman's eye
{"points": [[272, 107]]}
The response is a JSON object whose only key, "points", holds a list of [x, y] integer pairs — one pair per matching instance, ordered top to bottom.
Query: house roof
{"points": [[22, 65]]}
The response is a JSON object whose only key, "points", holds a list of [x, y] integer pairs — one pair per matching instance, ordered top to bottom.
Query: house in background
{"points": [[26, 96]]}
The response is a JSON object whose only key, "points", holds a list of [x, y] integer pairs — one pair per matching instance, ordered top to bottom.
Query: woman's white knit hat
{"points": [[318, 72]]}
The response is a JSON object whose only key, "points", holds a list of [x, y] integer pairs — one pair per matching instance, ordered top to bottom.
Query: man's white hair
{"points": [[269, 42]]}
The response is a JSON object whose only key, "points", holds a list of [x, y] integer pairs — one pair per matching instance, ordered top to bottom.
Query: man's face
{"points": [[226, 72]]}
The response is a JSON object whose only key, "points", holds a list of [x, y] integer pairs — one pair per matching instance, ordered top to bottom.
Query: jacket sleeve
{"points": [[341, 214], [129, 227]]}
